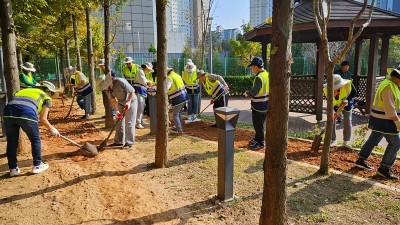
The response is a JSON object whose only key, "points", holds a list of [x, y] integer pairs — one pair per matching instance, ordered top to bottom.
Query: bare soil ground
{"points": [[123, 187]]}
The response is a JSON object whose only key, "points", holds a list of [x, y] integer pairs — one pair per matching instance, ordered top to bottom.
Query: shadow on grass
{"points": [[135, 170]]}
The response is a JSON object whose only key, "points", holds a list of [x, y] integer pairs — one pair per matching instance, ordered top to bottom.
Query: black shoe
{"points": [[85, 117], [339, 119], [214, 125], [252, 141], [115, 145], [257, 145], [127, 146], [360, 163], [387, 173]]}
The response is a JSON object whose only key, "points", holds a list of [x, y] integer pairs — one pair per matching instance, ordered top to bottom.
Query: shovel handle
{"points": [[71, 141]]}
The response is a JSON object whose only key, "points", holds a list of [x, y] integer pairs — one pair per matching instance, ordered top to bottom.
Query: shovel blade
{"points": [[90, 148]]}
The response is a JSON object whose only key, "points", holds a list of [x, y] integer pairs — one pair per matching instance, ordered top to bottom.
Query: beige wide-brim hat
{"points": [[128, 60], [101, 62], [148, 65], [28, 66], [190, 67], [338, 82], [106, 83], [50, 86]]}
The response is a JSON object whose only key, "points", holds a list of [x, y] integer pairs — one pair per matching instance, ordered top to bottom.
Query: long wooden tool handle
{"points": [[115, 124], [71, 141]]}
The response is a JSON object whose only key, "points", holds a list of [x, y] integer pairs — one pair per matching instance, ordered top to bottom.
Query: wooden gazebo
{"points": [[306, 92]]}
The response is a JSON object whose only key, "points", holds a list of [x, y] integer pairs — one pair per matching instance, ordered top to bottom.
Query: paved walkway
{"points": [[298, 122]]}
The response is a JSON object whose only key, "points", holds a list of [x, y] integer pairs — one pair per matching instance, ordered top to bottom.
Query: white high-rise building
{"points": [[259, 11], [137, 27]]}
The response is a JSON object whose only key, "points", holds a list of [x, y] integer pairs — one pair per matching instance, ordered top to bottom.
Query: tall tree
{"points": [[322, 12], [9, 48], [77, 48], [90, 56], [107, 57], [161, 155], [273, 210]]}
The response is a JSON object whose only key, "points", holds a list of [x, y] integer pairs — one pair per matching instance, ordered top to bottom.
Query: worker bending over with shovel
{"points": [[215, 86], [83, 91], [343, 94], [177, 96], [123, 99], [26, 110]]}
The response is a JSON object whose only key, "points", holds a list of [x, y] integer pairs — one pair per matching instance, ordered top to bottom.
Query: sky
{"points": [[230, 13]]}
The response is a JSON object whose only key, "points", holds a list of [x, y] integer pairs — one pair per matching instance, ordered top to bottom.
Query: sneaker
{"points": [[85, 117], [339, 119], [196, 120], [144, 123], [139, 126], [176, 131], [252, 141], [333, 143], [346, 144], [115, 145], [257, 145], [127, 146], [360, 163], [42, 167], [14, 172], [387, 173]]}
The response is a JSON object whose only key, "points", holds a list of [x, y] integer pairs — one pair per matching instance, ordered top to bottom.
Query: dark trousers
{"points": [[221, 102], [258, 124], [12, 126]]}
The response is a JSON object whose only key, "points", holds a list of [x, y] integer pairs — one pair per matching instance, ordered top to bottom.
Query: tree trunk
{"points": [[9, 48], [77, 50], [67, 52], [19, 56], [90, 57], [107, 58], [62, 66], [58, 71], [23, 144], [161, 155], [324, 164], [273, 210]]}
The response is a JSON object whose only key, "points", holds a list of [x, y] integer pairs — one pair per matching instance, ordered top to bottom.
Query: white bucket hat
{"points": [[129, 60], [148, 65], [28, 66], [190, 67], [338, 82], [106, 83], [50, 86]]}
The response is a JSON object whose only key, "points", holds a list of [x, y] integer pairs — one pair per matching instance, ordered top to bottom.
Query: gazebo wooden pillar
{"points": [[264, 46], [384, 55], [357, 59], [372, 69], [319, 95]]}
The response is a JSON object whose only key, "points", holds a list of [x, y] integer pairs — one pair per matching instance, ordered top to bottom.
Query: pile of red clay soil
{"points": [[341, 158]]}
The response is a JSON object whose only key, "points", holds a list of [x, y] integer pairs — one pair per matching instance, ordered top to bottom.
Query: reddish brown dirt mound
{"points": [[341, 158]]}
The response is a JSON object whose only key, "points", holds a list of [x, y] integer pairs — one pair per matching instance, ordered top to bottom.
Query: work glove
{"points": [[37, 84], [212, 101], [127, 106], [119, 115], [397, 122], [54, 131]]}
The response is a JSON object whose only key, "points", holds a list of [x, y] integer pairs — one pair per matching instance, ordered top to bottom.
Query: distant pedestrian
{"points": [[344, 70], [189, 76], [215, 86], [83, 91], [259, 101], [384, 122]]}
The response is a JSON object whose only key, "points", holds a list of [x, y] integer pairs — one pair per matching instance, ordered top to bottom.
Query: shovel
{"points": [[70, 108], [192, 120], [318, 138], [104, 143], [87, 146]]}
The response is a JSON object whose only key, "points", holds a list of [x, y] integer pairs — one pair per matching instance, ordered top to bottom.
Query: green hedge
{"points": [[239, 84]]}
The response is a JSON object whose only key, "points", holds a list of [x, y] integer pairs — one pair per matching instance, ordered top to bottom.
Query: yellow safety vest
{"points": [[130, 74], [149, 76], [77, 77], [190, 81], [177, 82], [213, 88], [395, 90], [177, 92], [343, 94], [260, 101]]}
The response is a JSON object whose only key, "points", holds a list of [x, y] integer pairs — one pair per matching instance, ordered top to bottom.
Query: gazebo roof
{"points": [[342, 12]]}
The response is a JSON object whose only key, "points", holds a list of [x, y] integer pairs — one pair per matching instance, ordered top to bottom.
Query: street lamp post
{"points": [[210, 19]]}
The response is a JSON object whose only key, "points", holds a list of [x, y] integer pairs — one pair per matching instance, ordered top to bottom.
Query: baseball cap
{"points": [[257, 61]]}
